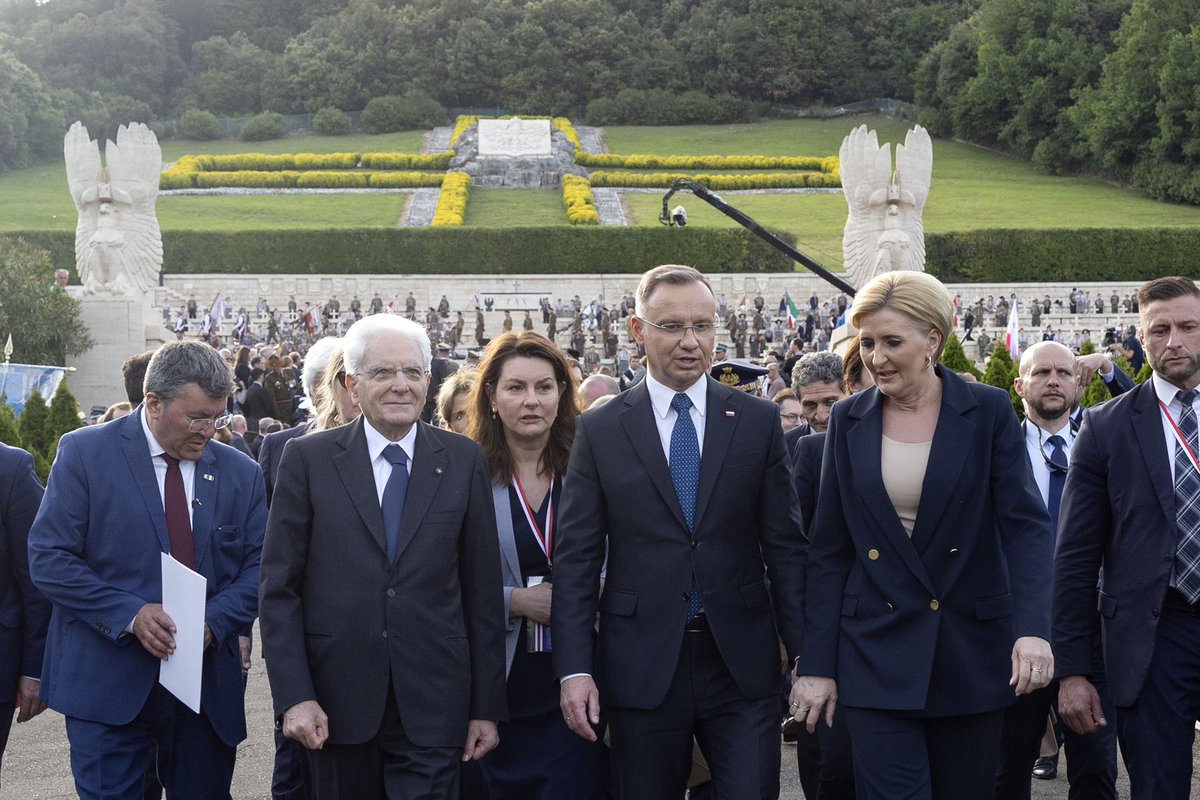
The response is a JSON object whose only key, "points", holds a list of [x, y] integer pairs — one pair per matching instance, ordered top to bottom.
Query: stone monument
{"points": [[515, 153], [884, 229], [118, 253]]}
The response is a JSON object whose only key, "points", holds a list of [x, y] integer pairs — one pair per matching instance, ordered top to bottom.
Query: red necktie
{"points": [[179, 524]]}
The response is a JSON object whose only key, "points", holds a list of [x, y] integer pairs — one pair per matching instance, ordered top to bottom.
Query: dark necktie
{"points": [[685, 474], [1058, 477], [393, 498], [1187, 504], [179, 523]]}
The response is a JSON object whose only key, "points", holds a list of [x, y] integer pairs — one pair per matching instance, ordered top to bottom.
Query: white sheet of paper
{"points": [[183, 599]]}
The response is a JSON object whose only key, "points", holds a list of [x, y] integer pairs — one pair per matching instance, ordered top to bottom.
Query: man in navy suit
{"points": [[683, 485], [119, 495], [1129, 508], [24, 613]]}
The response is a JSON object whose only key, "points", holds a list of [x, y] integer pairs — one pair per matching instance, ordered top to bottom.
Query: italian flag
{"points": [[793, 313]]}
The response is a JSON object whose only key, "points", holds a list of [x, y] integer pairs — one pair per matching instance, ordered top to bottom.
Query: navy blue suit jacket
{"points": [[270, 452], [618, 500], [1118, 511], [94, 552], [24, 613], [928, 623]]}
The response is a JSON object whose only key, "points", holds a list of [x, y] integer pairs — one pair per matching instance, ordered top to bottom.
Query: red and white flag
{"points": [[1012, 331]]}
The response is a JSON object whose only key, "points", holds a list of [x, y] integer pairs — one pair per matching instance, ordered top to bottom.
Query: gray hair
{"points": [[674, 274], [354, 343], [315, 361], [176, 364], [819, 367]]}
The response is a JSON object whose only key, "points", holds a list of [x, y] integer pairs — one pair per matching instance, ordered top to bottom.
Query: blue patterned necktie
{"points": [[685, 474], [1058, 477], [393, 498], [1187, 504]]}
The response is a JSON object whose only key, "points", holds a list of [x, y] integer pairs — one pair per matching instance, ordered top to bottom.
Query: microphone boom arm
{"points": [[749, 224]]}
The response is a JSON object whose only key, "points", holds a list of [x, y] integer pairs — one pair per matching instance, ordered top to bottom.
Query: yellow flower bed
{"points": [[438, 161], [616, 161], [766, 180], [452, 203], [581, 204]]}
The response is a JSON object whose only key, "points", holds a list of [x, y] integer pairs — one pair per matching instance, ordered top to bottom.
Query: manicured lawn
{"points": [[515, 208], [265, 212]]}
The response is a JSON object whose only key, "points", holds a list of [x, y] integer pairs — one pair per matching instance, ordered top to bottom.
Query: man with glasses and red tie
{"points": [[119, 496]]}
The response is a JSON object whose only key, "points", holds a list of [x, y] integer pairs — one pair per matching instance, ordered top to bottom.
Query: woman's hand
{"points": [[533, 603], [1032, 664], [810, 696]]}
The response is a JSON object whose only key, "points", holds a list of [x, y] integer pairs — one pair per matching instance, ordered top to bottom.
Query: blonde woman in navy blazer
{"points": [[922, 629]]}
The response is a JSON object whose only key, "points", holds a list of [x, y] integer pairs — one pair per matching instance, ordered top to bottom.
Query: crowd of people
{"points": [[524, 578]]}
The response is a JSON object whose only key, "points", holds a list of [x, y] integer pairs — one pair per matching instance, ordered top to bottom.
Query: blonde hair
{"points": [[917, 295], [458, 382], [325, 393]]}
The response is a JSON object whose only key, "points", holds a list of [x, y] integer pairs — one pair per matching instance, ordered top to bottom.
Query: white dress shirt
{"points": [[1166, 393], [664, 415], [1036, 444], [380, 466], [186, 468]]}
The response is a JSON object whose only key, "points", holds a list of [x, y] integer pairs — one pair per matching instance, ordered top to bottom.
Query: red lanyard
{"points": [[1179, 436], [544, 540]]}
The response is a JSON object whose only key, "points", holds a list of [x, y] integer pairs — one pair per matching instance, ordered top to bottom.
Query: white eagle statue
{"points": [[884, 231], [118, 245]]}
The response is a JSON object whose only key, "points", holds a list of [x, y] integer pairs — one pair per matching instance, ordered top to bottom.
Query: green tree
{"points": [[32, 117], [43, 321], [955, 358], [1000, 372], [63, 416], [8, 424], [32, 424]]}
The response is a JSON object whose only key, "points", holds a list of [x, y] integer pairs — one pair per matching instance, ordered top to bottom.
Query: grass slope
{"points": [[972, 188]]}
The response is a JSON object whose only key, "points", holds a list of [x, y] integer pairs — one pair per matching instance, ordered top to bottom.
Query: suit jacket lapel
{"points": [[640, 426], [1148, 429], [718, 433], [865, 441], [137, 455], [946, 455], [428, 466], [354, 467], [204, 491], [504, 526]]}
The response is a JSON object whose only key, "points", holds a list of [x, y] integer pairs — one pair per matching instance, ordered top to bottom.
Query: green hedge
{"points": [[1090, 254]]}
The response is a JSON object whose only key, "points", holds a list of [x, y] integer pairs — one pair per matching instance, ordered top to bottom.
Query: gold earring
{"points": [[929, 361]]}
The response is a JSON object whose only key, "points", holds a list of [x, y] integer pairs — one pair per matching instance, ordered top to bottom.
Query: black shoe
{"points": [[1046, 768]]}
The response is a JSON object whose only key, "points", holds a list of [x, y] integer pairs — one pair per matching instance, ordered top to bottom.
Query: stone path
{"points": [[592, 139], [438, 140], [610, 207], [421, 208]]}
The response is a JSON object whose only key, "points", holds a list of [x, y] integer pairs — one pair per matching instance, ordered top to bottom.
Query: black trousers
{"points": [[739, 736], [1020, 741], [824, 761], [387, 767]]}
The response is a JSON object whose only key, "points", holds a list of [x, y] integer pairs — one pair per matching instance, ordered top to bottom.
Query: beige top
{"points": [[903, 467]]}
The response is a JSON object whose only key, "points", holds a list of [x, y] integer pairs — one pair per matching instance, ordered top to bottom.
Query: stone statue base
{"points": [[121, 326], [839, 340]]}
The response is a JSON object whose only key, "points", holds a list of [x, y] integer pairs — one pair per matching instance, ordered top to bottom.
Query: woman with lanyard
{"points": [[523, 410]]}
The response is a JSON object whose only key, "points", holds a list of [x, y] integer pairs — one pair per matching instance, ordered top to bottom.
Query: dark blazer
{"points": [[258, 404], [792, 438], [239, 443], [270, 451], [806, 475], [618, 497], [1118, 510], [94, 552], [24, 613], [889, 617], [338, 622]]}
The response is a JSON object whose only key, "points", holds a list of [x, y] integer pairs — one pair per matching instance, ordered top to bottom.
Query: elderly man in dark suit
{"points": [[683, 484], [1130, 507], [382, 610], [24, 613]]}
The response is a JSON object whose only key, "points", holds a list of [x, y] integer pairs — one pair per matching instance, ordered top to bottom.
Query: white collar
{"points": [[1165, 389], [661, 396], [376, 441], [156, 449]]}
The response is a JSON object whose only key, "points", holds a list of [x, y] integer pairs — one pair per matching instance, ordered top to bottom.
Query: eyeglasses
{"points": [[679, 330], [388, 374], [792, 419], [201, 425]]}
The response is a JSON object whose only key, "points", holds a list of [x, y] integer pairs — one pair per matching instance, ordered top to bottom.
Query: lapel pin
{"points": [[731, 413], [439, 470], [209, 477]]}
